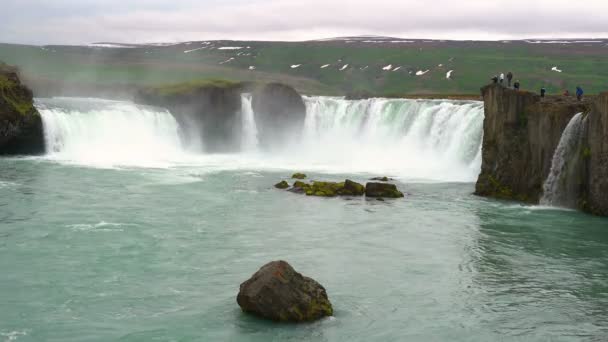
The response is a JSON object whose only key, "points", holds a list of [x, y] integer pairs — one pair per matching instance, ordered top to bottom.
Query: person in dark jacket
{"points": [[509, 78], [495, 79], [516, 85], [543, 91], [579, 93]]}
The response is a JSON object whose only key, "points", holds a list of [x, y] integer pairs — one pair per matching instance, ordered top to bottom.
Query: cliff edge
{"points": [[21, 129], [521, 132], [594, 198]]}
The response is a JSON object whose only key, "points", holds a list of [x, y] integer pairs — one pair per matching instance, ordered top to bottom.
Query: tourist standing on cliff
{"points": [[502, 78], [509, 78], [495, 79], [516, 85], [543, 91], [579, 93]]}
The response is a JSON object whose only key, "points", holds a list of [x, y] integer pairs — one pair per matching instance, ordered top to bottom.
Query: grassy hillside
{"points": [[353, 65]]}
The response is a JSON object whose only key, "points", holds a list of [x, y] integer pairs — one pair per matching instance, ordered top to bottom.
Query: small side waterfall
{"points": [[250, 132], [561, 187]]}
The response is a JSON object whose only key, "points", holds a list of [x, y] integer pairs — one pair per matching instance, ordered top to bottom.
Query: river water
{"points": [[125, 235]]}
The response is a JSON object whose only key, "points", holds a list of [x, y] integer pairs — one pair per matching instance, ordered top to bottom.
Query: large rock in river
{"points": [[279, 113], [21, 129], [382, 190], [277, 292]]}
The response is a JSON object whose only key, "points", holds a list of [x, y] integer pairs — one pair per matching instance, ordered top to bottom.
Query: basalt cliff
{"points": [[210, 112], [20, 123], [521, 134]]}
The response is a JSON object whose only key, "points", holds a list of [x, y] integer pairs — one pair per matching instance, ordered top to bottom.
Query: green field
{"points": [[64, 69]]}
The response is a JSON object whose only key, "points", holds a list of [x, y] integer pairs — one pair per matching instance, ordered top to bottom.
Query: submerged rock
{"points": [[298, 176], [382, 179], [282, 185], [382, 190], [277, 292]]}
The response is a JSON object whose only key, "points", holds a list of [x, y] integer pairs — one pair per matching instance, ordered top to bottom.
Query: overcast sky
{"points": [[141, 21]]}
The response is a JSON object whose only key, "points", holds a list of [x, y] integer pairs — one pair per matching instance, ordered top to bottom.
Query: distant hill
{"points": [[335, 66]]}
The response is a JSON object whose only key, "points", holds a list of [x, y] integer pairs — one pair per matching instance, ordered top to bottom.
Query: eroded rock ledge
{"points": [[20, 123], [521, 133]]}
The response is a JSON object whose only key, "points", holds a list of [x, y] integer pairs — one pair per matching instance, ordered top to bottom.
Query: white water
{"points": [[250, 131], [109, 133], [407, 139], [560, 188]]}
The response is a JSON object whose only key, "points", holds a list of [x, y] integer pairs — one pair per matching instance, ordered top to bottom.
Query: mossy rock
{"points": [[298, 176], [282, 185], [300, 187], [325, 189], [352, 189], [383, 190], [279, 293]]}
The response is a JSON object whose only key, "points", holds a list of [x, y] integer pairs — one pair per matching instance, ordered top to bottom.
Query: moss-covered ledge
{"points": [[21, 129]]}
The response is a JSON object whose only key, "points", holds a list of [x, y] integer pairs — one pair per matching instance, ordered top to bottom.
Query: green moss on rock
{"points": [[298, 176], [282, 185], [383, 190]]}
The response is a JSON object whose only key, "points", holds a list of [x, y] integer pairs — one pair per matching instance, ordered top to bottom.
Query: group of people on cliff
{"points": [[500, 79]]}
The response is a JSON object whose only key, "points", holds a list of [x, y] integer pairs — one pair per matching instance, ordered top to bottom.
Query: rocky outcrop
{"points": [[208, 112], [279, 113], [21, 130], [521, 132], [382, 190], [594, 198], [279, 293]]}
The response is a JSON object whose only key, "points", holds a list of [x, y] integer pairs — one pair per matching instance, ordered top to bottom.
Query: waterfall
{"points": [[250, 131], [101, 132], [420, 138], [436, 140], [561, 186]]}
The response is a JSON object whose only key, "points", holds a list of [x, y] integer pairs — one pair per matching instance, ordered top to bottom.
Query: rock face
{"points": [[208, 112], [279, 113], [21, 130], [521, 133], [382, 190], [595, 195], [277, 292]]}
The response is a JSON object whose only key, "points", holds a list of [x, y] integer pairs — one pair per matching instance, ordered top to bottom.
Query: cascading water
{"points": [[250, 131], [101, 132], [410, 139], [423, 139], [561, 188]]}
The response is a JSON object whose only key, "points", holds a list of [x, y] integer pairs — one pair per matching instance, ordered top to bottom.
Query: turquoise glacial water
{"points": [[157, 254]]}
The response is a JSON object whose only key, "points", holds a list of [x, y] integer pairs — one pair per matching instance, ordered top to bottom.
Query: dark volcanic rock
{"points": [[208, 112], [279, 113], [21, 130], [521, 133], [298, 176], [282, 185], [352, 189], [382, 190], [594, 198], [277, 292]]}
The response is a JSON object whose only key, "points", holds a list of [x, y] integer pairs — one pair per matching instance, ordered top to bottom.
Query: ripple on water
{"points": [[101, 226], [12, 335]]}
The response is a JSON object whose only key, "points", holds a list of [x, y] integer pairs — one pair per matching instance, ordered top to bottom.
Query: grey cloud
{"points": [[152, 20]]}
